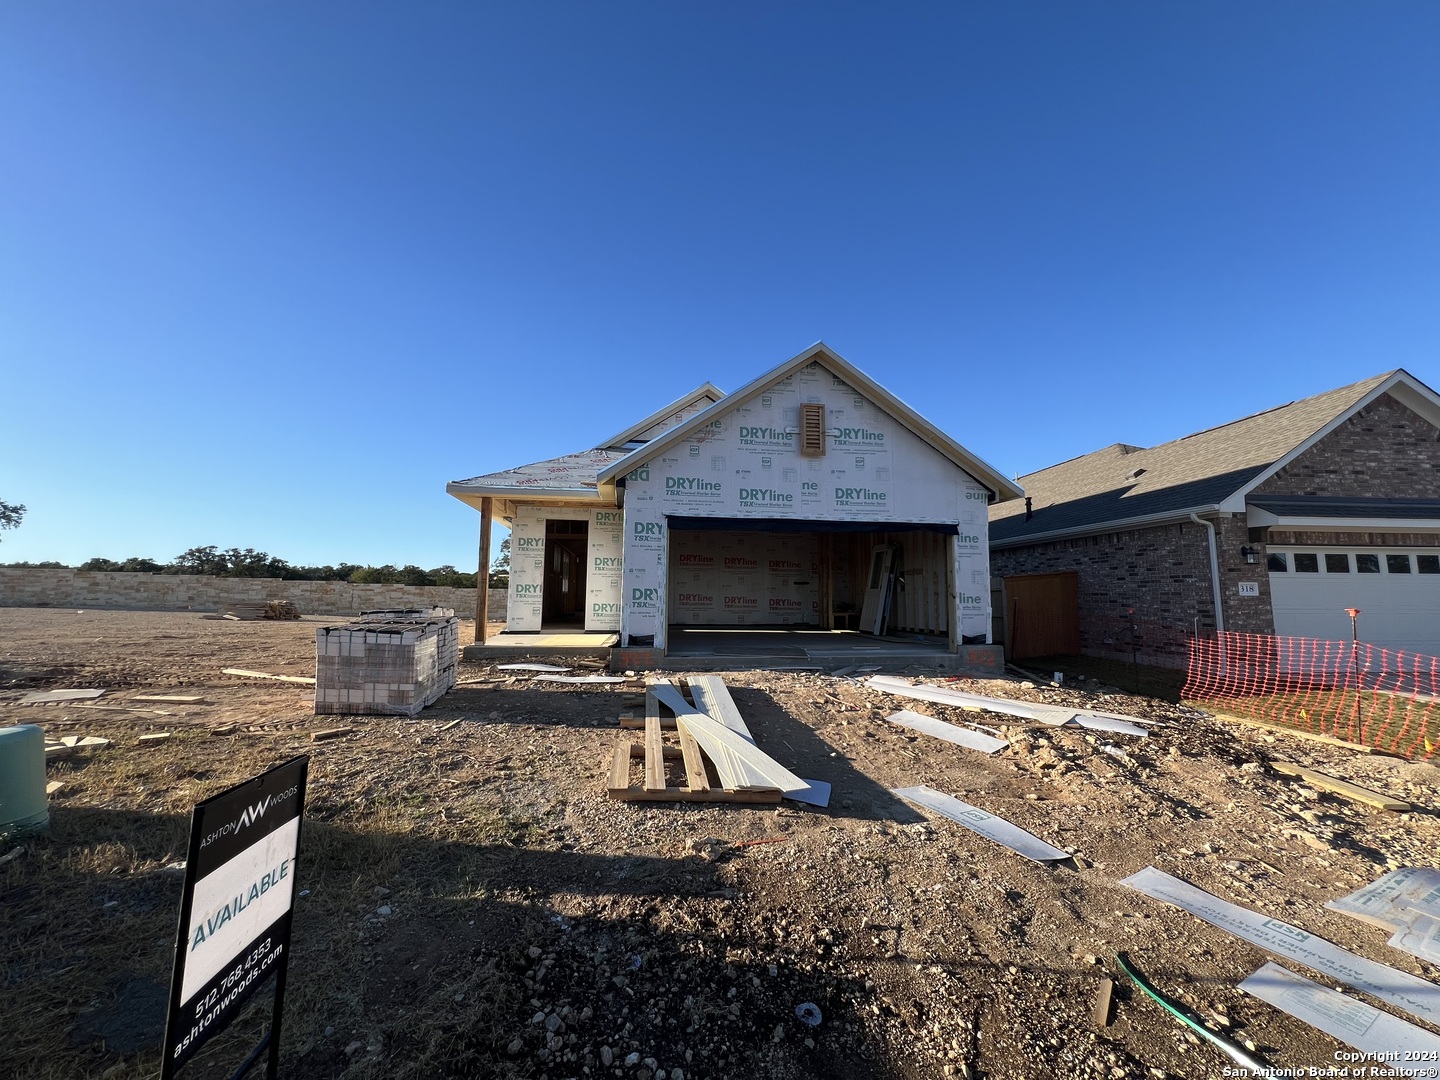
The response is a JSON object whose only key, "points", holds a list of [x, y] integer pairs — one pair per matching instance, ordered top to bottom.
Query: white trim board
{"points": [[1052, 715], [939, 729], [739, 764], [993, 828], [1406, 992], [1388, 1039]]}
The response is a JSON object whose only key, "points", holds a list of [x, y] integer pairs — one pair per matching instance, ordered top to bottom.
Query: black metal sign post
{"points": [[235, 913]]}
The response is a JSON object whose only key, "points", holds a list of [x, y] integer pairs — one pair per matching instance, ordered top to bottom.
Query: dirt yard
{"points": [[474, 905]]}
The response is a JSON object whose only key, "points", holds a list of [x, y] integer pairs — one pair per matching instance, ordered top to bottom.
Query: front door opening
{"points": [[566, 559]]}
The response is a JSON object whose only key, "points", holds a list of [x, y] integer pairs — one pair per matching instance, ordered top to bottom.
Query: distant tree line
{"points": [[249, 563]]}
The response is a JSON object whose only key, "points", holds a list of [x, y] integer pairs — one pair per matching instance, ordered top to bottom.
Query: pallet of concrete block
{"points": [[411, 614], [385, 666]]}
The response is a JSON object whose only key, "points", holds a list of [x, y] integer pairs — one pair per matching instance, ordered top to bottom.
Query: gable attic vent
{"points": [[812, 429]]}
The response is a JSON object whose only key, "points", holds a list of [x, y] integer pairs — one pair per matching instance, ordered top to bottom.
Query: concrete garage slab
{"points": [[725, 649]]}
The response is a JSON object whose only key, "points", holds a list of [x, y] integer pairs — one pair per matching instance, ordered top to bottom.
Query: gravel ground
{"points": [[479, 907]]}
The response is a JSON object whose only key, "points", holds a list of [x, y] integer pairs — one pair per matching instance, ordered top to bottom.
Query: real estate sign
{"points": [[234, 930]]}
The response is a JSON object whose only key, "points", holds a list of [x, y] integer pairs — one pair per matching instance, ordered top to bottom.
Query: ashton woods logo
{"points": [[249, 816]]}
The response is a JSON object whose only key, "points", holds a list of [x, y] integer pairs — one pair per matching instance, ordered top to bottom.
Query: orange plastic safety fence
{"points": [[1361, 693]]}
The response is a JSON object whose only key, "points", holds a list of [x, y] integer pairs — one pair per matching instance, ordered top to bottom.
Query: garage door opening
{"points": [[791, 590]]}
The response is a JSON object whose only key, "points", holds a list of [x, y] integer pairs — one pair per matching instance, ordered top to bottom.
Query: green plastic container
{"points": [[24, 809]]}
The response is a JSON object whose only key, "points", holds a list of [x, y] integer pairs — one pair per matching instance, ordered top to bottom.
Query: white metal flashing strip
{"points": [[1026, 710], [939, 729], [986, 824], [1400, 989], [1396, 1043]]}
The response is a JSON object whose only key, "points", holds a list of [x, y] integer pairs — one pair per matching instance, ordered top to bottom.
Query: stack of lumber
{"points": [[720, 760]]}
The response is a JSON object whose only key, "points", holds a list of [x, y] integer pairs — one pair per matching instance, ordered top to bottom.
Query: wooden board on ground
{"points": [[247, 674], [50, 697], [172, 699], [1281, 729], [329, 733], [1336, 786]]}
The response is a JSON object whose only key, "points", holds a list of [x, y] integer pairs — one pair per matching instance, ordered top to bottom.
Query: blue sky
{"points": [[272, 273]]}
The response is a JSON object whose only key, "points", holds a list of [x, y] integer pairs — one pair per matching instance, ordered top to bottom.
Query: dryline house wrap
{"points": [[761, 508]]}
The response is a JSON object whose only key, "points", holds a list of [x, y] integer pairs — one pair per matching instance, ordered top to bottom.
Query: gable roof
{"points": [[982, 471], [1124, 486]]}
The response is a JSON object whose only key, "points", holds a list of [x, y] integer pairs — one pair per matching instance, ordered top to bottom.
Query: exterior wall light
{"points": [[1250, 554]]}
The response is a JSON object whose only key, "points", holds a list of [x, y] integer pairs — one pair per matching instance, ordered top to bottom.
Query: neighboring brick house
{"points": [[1273, 524]]}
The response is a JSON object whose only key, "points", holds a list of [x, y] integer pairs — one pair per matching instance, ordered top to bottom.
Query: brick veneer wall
{"points": [[1385, 449], [1163, 573], [30, 587]]}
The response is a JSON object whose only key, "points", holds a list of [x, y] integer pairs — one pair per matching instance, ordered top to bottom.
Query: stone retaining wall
{"points": [[28, 587]]}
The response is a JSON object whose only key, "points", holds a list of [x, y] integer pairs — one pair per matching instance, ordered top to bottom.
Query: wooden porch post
{"points": [[482, 579]]}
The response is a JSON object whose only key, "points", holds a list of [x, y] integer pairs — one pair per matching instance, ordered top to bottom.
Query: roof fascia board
{"points": [[1412, 387], [709, 390], [982, 471], [465, 492], [1145, 521], [1356, 524]]}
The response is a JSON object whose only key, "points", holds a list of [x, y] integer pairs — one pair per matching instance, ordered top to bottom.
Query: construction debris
{"points": [[261, 609], [552, 668], [245, 674], [581, 678], [47, 697], [171, 699], [1052, 715], [452, 723], [329, 733], [950, 733], [154, 737], [716, 739], [68, 744], [53, 786], [1336, 786], [986, 824], [1392, 900], [1420, 937], [1401, 989], [1104, 1008], [1397, 1044], [1255, 1066]]}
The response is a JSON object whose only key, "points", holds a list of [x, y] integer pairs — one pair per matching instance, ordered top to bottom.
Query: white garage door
{"points": [[1398, 594]]}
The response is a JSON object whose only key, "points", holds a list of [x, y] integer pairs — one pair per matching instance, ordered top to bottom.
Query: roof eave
{"points": [[470, 493], [1144, 521]]}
